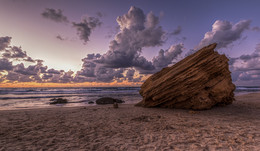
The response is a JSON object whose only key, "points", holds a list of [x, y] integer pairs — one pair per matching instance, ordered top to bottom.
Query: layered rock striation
{"points": [[199, 81]]}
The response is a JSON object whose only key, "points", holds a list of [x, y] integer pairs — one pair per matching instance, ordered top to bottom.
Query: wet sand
{"points": [[233, 127]]}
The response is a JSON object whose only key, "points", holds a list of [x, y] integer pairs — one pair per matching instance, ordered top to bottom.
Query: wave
{"points": [[247, 89], [46, 91]]}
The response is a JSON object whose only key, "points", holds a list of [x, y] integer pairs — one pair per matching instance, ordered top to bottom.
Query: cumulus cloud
{"points": [[55, 15], [86, 26], [137, 31], [224, 33], [4, 42], [15, 52], [124, 57], [165, 57], [29, 59], [122, 61], [5, 64], [246, 67], [30, 70], [53, 71], [92, 71], [22, 74], [130, 76], [66, 77]]}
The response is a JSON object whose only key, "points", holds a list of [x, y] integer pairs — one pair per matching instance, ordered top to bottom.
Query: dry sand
{"points": [[234, 127]]}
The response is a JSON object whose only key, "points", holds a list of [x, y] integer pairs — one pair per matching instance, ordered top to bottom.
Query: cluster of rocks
{"points": [[103, 100]]}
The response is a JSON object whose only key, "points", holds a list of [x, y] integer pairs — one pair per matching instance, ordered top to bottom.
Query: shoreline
{"points": [[71, 104], [101, 127]]}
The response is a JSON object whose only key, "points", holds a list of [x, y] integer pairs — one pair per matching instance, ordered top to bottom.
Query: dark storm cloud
{"points": [[55, 15], [86, 26], [177, 31], [224, 33], [4, 42], [5, 64]]}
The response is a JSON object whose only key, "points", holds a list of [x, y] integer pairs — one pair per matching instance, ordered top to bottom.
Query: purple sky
{"points": [[53, 41]]}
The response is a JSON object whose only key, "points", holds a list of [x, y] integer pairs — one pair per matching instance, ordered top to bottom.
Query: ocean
{"points": [[27, 98], [30, 98]]}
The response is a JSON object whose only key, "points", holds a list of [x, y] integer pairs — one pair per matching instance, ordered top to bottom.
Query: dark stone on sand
{"points": [[199, 81], [108, 100], [58, 101], [90, 102], [115, 105]]}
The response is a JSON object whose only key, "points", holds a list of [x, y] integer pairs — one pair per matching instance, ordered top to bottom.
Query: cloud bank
{"points": [[123, 61], [246, 67]]}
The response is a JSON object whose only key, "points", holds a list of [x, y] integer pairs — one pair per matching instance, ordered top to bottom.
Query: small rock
{"points": [[108, 100], [58, 101], [90, 102], [115, 105], [193, 112]]}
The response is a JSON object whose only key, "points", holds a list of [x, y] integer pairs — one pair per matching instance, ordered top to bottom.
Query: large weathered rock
{"points": [[200, 81]]}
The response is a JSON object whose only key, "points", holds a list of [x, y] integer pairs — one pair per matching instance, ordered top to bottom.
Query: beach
{"points": [[102, 127]]}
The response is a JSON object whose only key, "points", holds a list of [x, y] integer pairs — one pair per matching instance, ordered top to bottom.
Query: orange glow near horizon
{"points": [[124, 83], [86, 84]]}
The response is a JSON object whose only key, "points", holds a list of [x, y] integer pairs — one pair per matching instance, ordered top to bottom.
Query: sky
{"points": [[121, 42]]}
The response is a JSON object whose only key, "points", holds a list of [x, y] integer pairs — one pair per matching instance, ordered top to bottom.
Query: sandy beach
{"points": [[233, 127]]}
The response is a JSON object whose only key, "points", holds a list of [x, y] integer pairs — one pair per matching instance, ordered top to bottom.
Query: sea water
{"points": [[22, 98], [29, 98]]}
